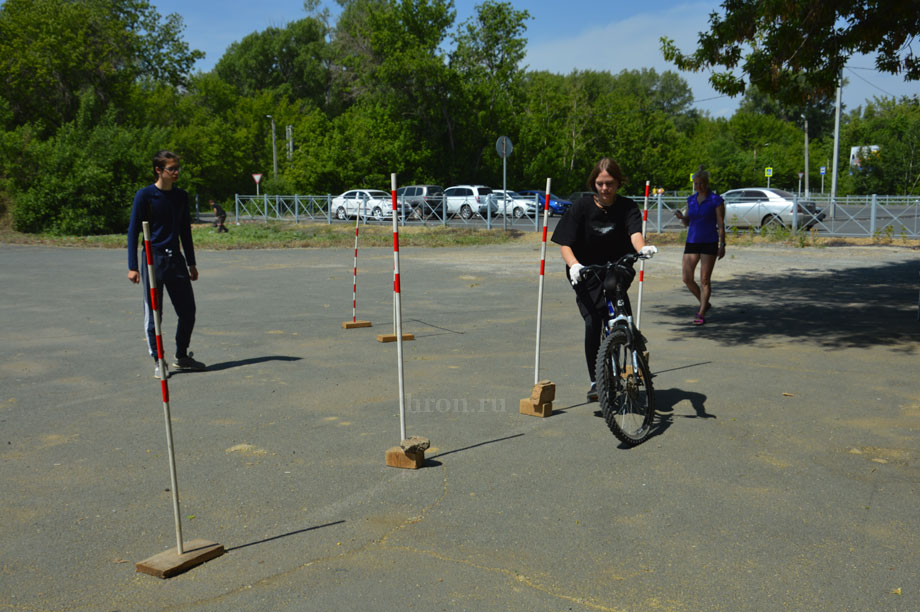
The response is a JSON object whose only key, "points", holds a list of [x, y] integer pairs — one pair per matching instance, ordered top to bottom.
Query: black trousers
{"points": [[172, 273]]}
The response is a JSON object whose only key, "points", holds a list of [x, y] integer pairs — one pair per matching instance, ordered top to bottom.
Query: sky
{"points": [[563, 35]]}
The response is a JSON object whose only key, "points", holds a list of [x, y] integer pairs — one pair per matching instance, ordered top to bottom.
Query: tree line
{"points": [[95, 87]]}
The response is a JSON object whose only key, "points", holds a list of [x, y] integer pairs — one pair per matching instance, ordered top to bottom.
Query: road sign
{"points": [[503, 146], [823, 170], [768, 172], [801, 174], [257, 178]]}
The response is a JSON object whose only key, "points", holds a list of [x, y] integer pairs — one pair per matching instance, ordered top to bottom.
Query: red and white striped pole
{"points": [[642, 261], [354, 284], [354, 288], [397, 305], [536, 366], [164, 385]]}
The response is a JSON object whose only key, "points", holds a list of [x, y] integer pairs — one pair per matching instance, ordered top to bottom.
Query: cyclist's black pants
{"points": [[589, 296]]}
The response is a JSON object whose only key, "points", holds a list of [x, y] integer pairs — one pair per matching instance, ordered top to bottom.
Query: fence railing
{"points": [[848, 216]]}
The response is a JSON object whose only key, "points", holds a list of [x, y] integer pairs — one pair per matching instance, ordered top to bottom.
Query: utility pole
{"points": [[836, 148], [274, 150], [806, 156]]}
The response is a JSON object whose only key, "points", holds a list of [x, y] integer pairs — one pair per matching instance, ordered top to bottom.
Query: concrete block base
{"points": [[354, 324], [393, 337], [537, 410], [398, 458], [169, 563]]}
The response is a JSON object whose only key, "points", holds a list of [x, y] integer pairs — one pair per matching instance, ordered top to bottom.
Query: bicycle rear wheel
{"points": [[626, 396]]}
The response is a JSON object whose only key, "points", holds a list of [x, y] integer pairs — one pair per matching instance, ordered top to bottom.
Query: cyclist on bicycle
{"points": [[597, 230]]}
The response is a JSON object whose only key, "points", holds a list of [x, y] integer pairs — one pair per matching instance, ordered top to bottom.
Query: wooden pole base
{"points": [[354, 324], [393, 337], [540, 402], [398, 458], [169, 563]]}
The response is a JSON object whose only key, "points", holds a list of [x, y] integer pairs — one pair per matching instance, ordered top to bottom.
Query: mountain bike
{"points": [[624, 383]]}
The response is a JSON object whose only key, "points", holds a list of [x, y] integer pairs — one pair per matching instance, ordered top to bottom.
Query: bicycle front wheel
{"points": [[625, 394]]}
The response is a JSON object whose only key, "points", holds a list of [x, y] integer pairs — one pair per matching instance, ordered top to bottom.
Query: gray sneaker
{"points": [[187, 363], [156, 371]]}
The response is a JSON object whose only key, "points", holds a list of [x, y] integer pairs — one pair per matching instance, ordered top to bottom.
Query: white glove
{"points": [[648, 250], [575, 273]]}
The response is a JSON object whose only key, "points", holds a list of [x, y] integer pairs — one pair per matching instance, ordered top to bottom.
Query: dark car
{"points": [[575, 195], [426, 201], [557, 205]]}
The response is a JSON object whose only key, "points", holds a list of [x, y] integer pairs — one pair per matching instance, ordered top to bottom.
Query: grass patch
{"points": [[275, 235]]}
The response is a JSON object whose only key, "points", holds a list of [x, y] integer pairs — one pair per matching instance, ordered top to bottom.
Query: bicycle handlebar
{"points": [[629, 260]]}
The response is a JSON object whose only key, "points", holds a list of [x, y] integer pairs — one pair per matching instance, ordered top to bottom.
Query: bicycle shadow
{"points": [[835, 308]]}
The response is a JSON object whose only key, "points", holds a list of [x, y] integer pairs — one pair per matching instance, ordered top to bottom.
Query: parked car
{"points": [[579, 194], [467, 200], [426, 201], [511, 202], [374, 203], [557, 205], [762, 206]]}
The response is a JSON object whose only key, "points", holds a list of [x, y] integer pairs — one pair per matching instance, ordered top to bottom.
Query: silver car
{"points": [[373, 203], [515, 204], [762, 206]]}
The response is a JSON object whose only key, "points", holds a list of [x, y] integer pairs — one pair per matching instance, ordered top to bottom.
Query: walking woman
{"points": [[705, 222]]}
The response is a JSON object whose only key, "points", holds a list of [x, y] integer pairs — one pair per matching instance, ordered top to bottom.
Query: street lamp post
{"points": [[274, 150], [806, 156]]}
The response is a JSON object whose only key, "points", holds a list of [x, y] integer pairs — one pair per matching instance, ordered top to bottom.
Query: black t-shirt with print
{"points": [[597, 235]]}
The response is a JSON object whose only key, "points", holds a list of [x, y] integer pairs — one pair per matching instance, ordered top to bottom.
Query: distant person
{"points": [[166, 207], [221, 217], [705, 221], [598, 229]]}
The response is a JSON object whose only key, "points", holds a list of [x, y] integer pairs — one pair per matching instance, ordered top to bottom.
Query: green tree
{"points": [[794, 50], [52, 52], [292, 61], [893, 125]]}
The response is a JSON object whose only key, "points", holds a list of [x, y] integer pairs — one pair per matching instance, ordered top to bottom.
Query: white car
{"points": [[468, 200], [511, 202], [373, 203], [762, 206]]}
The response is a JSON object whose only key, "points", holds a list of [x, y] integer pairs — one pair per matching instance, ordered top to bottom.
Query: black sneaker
{"points": [[187, 363], [592, 393]]}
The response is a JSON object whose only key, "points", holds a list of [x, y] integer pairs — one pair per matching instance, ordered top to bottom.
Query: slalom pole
{"points": [[642, 261], [354, 283], [354, 289], [397, 315], [536, 365], [164, 385], [540, 402], [411, 452], [170, 563]]}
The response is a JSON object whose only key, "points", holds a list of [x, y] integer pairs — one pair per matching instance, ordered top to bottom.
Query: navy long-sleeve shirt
{"points": [[170, 222]]}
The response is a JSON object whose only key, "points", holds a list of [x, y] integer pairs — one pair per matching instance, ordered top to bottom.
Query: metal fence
{"points": [[300, 208], [850, 216]]}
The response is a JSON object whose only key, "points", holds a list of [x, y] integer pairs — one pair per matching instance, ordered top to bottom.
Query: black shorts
{"points": [[702, 248]]}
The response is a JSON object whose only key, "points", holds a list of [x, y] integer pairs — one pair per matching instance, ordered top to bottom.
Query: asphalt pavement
{"points": [[783, 473]]}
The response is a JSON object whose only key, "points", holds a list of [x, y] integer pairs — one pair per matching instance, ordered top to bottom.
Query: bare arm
{"points": [[568, 256]]}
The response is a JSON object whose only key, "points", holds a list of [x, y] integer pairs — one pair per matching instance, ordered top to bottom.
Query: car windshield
{"points": [[485, 190]]}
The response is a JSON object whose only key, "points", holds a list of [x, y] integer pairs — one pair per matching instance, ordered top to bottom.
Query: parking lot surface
{"points": [[783, 474]]}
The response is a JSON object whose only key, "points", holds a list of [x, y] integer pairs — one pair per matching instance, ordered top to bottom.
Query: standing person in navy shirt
{"points": [[166, 207], [705, 220]]}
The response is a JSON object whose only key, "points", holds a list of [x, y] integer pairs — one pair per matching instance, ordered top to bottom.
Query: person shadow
{"points": [[226, 365]]}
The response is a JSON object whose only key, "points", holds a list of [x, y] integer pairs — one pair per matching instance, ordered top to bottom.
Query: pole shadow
{"points": [[226, 365], [472, 446], [285, 535]]}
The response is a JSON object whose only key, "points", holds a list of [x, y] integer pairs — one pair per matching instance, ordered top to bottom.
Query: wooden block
{"points": [[354, 324], [392, 337], [543, 392], [537, 410], [397, 457], [169, 563]]}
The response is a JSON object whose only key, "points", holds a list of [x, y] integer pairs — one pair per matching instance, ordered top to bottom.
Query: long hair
{"points": [[611, 167]]}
